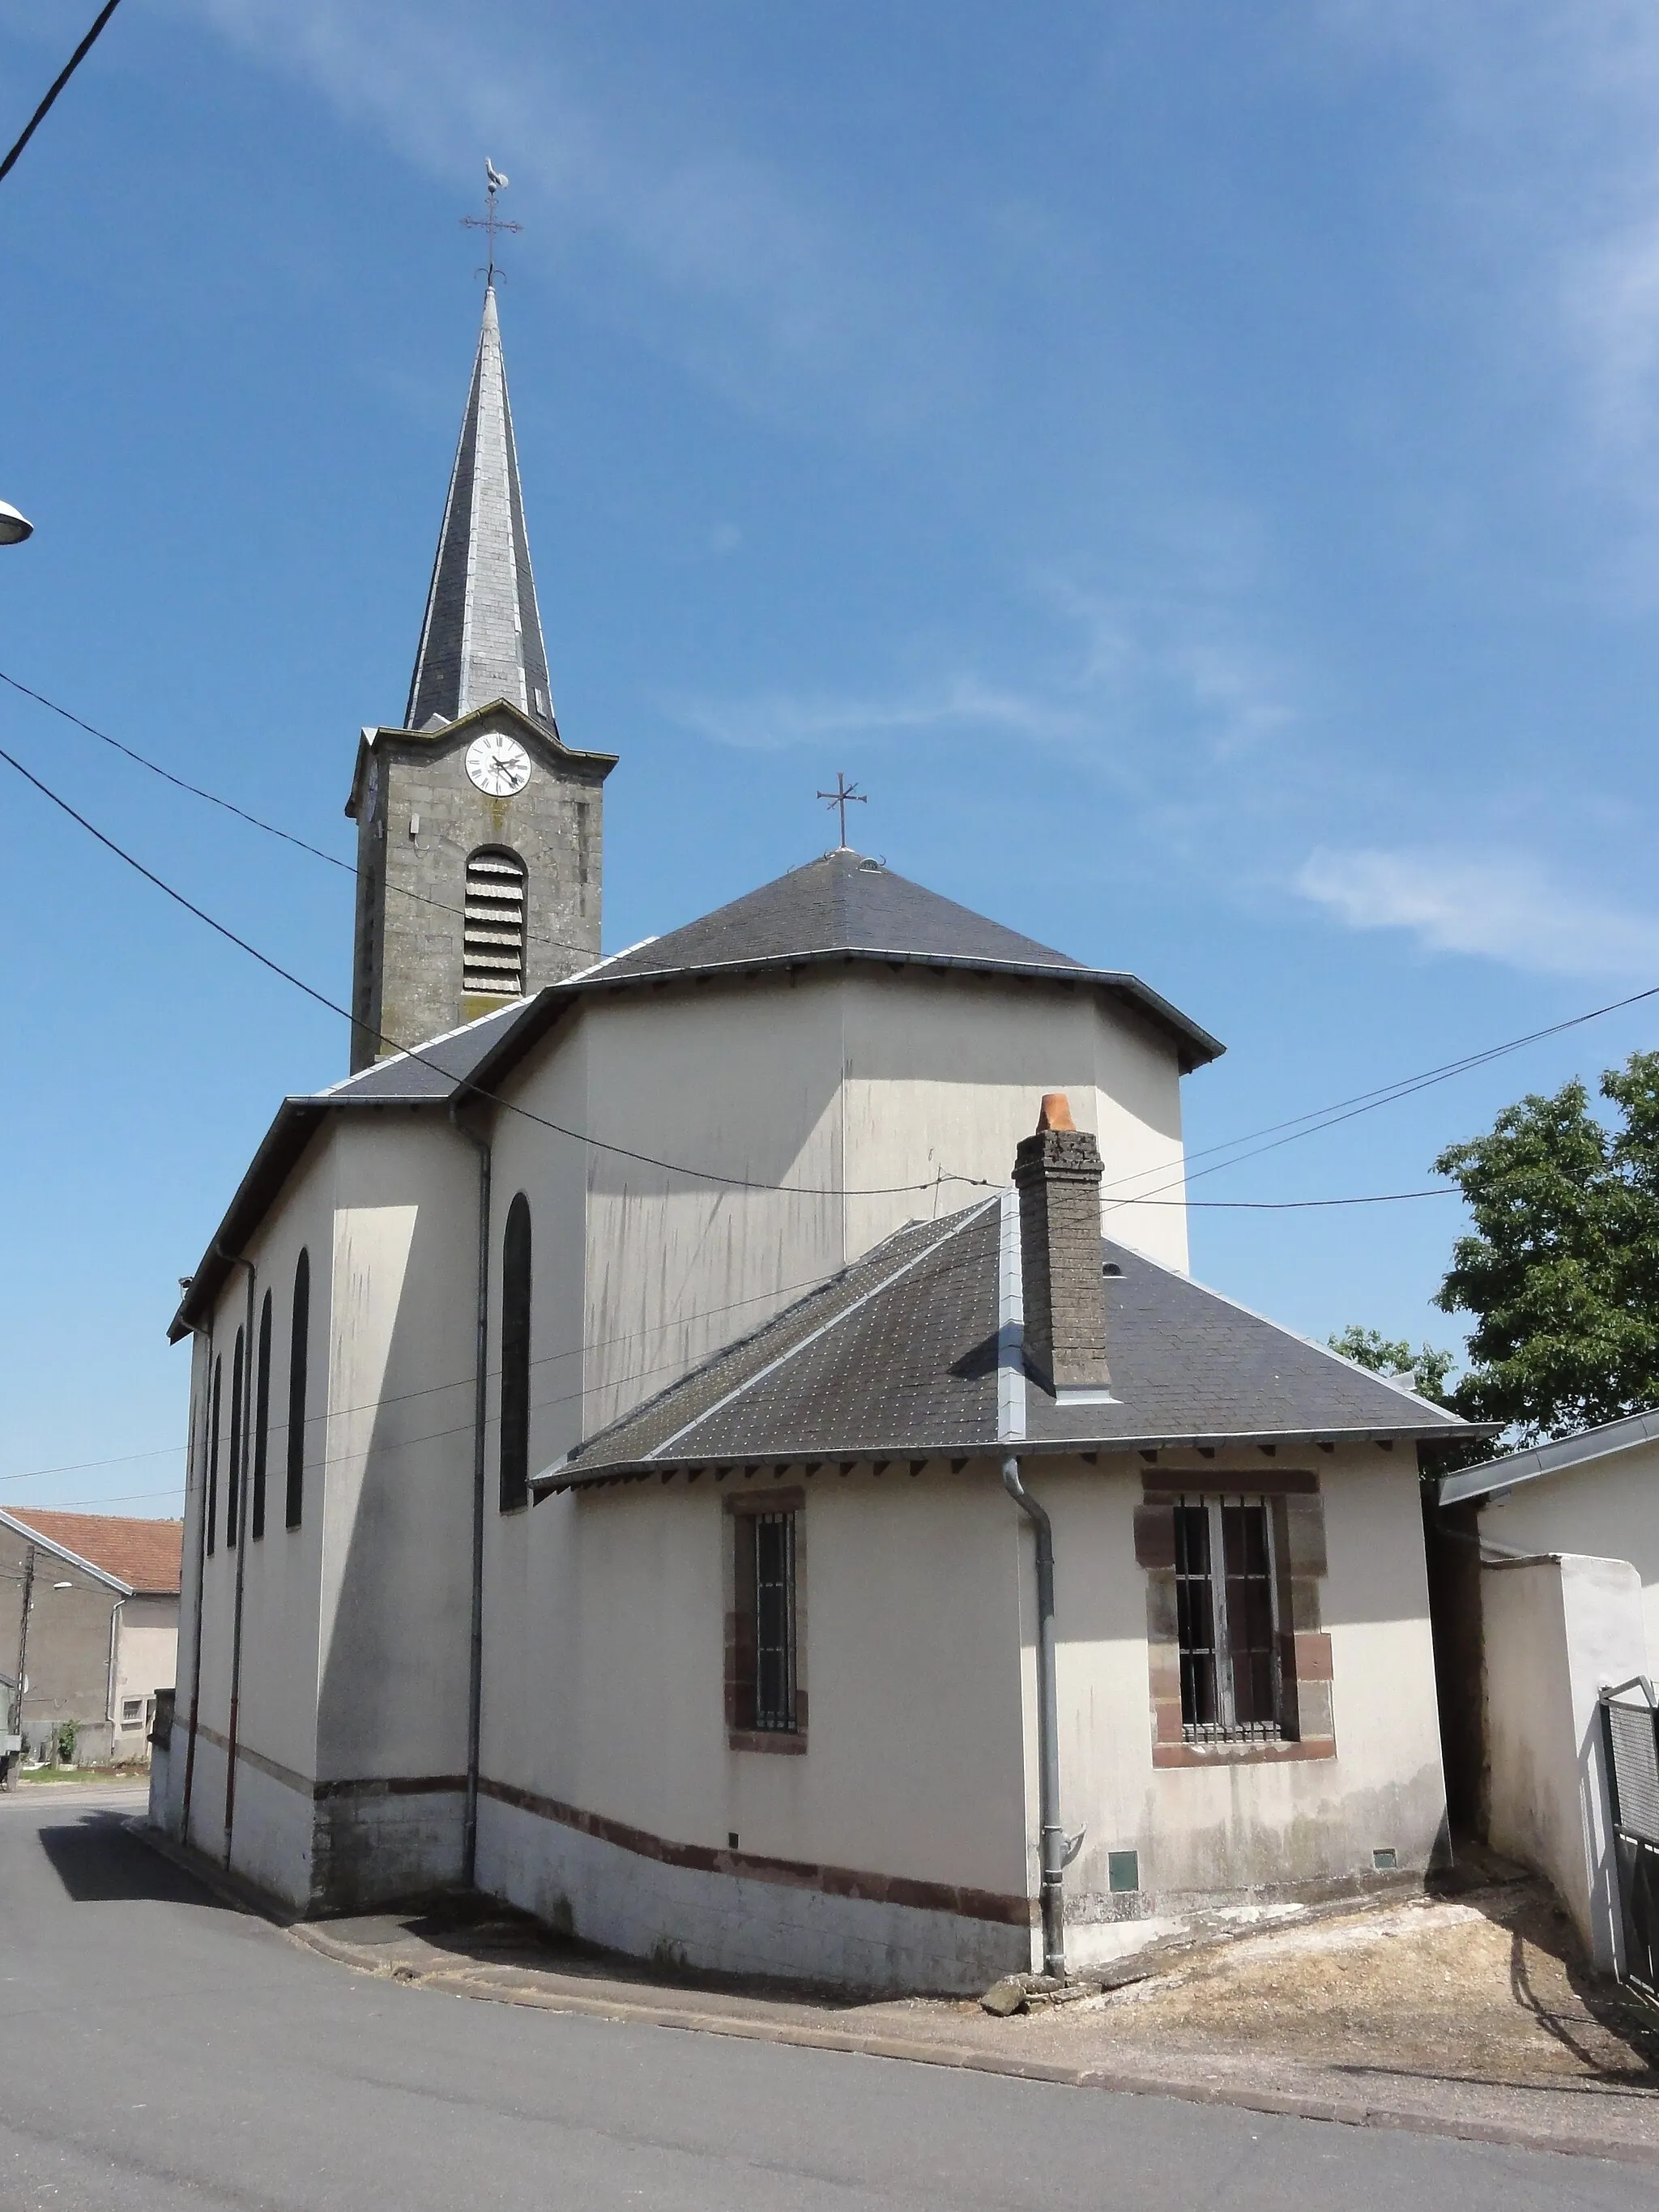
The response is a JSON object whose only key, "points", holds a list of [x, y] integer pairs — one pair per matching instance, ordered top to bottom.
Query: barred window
{"points": [[493, 954], [765, 1593], [1226, 1616]]}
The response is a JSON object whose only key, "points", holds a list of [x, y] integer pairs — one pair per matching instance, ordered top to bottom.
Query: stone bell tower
{"points": [[479, 831]]}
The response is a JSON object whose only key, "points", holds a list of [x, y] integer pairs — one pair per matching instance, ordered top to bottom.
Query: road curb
{"points": [[363, 1959]]}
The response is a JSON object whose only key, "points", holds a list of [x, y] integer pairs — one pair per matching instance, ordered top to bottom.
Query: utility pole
{"points": [[14, 1718]]}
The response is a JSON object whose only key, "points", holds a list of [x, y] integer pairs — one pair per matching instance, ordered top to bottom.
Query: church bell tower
{"points": [[479, 831]]}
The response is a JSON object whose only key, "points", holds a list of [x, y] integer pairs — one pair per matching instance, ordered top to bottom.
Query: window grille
{"points": [[493, 951], [298, 1347], [516, 1356], [766, 1602], [1227, 1620], [132, 1711]]}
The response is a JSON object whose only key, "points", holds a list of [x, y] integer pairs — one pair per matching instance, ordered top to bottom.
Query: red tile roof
{"points": [[144, 1554]]}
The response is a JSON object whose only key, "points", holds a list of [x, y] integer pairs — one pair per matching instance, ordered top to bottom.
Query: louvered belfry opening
{"points": [[493, 957]]}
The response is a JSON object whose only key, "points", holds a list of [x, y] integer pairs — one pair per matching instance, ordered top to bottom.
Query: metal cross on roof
{"points": [[490, 221], [839, 798]]}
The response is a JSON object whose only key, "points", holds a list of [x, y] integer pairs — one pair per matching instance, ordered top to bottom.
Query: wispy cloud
{"points": [[1543, 148], [707, 249], [1153, 688], [775, 720], [1511, 910]]}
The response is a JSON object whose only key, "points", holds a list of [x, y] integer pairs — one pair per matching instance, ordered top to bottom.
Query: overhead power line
{"points": [[57, 84], [257, 822], [507, 1105], [1287, 1131]]}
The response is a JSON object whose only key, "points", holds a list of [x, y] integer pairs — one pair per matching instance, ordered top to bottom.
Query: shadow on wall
{"points": [[99, 1862]]}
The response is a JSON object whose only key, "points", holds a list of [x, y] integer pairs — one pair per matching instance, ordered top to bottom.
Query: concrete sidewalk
{"points": [[1608, 2108]]}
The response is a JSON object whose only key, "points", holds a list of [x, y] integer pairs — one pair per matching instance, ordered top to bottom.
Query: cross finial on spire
{"points": [[490, 221], [839, 796]]}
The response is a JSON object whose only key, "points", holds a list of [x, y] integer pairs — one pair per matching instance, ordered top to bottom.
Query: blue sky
{"points": [[1197, 467]]}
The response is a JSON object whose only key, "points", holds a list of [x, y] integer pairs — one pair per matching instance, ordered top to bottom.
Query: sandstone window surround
{"points": [[765, 1577], [1277, 1705]]}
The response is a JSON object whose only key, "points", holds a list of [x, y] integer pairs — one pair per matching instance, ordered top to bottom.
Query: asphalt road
{"points": [[159, 2049]]}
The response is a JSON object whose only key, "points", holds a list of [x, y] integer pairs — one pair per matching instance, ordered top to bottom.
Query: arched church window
{"points": [[493, 952], [298, 1349], [516, 1356], [261, 1422], [213, 1450], [233, 1473]]}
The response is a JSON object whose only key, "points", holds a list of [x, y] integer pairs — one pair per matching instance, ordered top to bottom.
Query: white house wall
{"points": [[943, 1077], [845, 1099], [1607, 1507], [395, 1595], [613, 1725], [277, 1727], [1206, 1833]]}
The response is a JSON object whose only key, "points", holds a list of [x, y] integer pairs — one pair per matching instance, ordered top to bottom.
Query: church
{"points": [[695, 1442]]}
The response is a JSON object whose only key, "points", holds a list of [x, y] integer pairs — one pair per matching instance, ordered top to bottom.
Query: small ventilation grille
{"points": [[493, 958]]}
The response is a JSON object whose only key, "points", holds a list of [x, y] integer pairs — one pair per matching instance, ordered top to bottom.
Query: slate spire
{"points": [[482, 638]]}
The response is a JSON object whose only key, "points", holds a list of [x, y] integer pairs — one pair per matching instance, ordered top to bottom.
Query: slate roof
{"points": [[482, 637], [841, 907], [844, 908], [904, 1355], [143, 1555]]}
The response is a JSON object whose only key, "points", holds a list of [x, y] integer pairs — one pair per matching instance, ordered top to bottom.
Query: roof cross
{"points": [[490, 221], [838, 798]]}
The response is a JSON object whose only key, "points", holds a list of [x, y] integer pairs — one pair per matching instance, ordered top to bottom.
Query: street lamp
{"points": [[14, 527]]}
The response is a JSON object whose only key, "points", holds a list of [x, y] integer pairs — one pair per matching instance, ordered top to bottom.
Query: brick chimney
{"points": [[1057, 1174]]}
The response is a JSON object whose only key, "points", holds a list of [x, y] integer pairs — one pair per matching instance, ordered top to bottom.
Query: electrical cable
{"points": [[57, 84], [255, 822], [462, 1086], [1316, 1118]]}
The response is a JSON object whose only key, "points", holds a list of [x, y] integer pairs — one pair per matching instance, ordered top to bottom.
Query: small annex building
{"points": [[631, 1418], [1546, 1594], [99, 1640]]}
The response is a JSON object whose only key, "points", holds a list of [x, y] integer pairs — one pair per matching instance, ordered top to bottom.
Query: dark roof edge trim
{"points": [[553, 1479]]}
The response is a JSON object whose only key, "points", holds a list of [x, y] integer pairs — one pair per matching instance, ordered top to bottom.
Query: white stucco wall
{"points": [[845, 1098], [1606, 1509], [1557, 1631], [910, 1664], [1219, 1830]]}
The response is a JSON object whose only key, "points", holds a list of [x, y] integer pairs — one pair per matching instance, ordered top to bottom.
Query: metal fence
{"points": [[1630, 1740]]}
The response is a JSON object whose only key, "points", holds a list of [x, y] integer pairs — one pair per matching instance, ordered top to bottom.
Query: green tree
{"points": [[1561, 1268], [1386, 1355]]}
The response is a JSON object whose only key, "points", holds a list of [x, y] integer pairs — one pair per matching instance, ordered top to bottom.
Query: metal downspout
{"points": [[480, 1408], [203, 1445], [239, 1476], [1052, 1851]]}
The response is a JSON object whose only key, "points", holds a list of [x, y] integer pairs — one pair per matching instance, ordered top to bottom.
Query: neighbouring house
{"points": [[633, 1354], [1546, 1575], [101, 1637]]}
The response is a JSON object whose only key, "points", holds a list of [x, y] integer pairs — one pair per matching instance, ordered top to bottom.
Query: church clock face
{"points": [[500, 766]]}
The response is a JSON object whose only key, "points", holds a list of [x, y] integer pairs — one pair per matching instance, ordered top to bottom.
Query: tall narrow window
{"points": [[493, 952], [298, 1347], [516, 1356], [261, 1423], [213, 1451], [233, 1472], [765, 1588], [1225, 1619]]}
